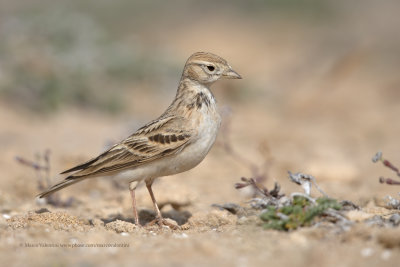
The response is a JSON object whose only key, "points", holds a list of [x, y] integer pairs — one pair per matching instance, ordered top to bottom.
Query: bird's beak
{"points": [[231, 74]]}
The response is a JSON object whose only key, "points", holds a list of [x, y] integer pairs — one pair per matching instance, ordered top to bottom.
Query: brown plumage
{"points": [[175, 142]]}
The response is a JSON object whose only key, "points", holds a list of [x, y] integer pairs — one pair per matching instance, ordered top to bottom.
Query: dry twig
{"points": [[388, 164], [41, 166], [306, 181]]}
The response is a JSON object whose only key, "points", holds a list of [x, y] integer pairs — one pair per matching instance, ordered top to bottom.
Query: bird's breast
{"points": [[206, 121]]}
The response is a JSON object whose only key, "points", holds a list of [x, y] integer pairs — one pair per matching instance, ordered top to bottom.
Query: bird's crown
{"points": [[207, 68]]}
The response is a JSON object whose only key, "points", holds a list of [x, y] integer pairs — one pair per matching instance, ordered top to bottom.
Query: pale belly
{"points": [[186, 159]]}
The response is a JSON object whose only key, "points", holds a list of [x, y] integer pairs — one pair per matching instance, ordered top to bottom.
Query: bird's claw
{"points": [[164, 222]]}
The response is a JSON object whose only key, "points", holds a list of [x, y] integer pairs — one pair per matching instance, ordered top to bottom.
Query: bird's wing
{"points": [[159, 138]]}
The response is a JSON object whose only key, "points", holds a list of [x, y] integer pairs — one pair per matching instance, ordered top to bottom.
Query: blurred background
{"points": [[320, 93]]}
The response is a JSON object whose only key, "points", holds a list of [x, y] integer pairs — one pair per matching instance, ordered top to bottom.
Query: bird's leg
{"points": [[148, 185], [132, 188], [159, 219]]}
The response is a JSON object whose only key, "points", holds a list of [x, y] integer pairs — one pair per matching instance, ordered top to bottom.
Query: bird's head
{"points": [[207, 68]]}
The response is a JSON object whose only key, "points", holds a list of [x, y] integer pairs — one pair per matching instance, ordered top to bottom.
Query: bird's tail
{"points": [[66, 182]]}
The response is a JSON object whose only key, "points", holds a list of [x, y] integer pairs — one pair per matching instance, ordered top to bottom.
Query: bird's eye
{"points": [[210, 68]]}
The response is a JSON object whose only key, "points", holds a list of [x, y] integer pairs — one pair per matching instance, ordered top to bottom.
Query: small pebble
{"points": [[395, 219], [181, 236], [366, 252], [386, 254]]}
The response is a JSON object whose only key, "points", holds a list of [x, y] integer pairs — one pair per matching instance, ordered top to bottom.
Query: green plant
{"points": [[301, 212]]}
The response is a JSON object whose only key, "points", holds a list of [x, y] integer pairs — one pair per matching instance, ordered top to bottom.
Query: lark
{"points": [[175, 142]]}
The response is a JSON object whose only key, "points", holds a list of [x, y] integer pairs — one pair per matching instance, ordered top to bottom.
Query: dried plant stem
{"points": [[388, 164]]}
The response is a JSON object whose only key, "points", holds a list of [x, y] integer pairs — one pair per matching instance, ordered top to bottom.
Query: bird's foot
{"points": [[164, 222]]}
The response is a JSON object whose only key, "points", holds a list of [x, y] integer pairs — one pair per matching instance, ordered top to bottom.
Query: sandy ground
{"points": [[319, 100], [100, 213]]}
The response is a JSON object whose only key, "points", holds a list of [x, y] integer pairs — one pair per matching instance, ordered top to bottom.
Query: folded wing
{"points": [[163, 137]]}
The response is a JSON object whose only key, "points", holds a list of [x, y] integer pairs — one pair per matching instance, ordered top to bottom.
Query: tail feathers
{"points": [[81, 166], [70, 180]]}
